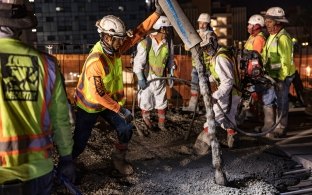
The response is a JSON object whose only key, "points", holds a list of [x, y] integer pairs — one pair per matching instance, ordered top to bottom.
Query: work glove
{"points": [[158, 9], [141, 80], [142, 84], [125, 114], [66, 168]]}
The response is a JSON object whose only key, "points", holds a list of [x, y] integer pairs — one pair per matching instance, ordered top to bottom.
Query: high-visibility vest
{"points": [[249, 43], [278, 63], [157, 64], [211, 64], [111, 75], [28, 83]]}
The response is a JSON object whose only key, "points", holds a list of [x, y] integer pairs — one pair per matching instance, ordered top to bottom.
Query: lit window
{"points": [[58, 9], [33, 30]]}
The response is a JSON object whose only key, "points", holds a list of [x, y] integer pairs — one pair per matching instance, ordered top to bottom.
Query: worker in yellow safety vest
{"points": [[204, 26], [157, 58], [278, 61], [100, 89], [225, 98], [34, 109]]}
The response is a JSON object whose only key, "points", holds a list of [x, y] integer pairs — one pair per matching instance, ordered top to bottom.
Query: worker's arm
{"points": [[140, 32], [285, 49], [139, 60], [224, 69], [59, 114]]}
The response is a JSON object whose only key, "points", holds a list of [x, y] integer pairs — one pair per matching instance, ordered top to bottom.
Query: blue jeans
{"points": [[194, 79], [282, 91], [268, 95], [85, 122], [38, 186]]}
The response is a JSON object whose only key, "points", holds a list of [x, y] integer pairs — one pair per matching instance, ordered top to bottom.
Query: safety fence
{"points": [[71, 65]]}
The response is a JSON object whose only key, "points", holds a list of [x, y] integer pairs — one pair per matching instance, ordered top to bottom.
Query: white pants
{"points": [[154, 96], [219, 116]]}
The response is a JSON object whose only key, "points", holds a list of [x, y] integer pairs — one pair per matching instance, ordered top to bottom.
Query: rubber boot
{"points": [[192, 103], [147, 119], [161, 119], [269, 120], [230, 137], [202, 143], [120, 163]]}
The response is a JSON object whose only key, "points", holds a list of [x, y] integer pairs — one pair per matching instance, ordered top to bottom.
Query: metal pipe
{"points": [[191, 39]]}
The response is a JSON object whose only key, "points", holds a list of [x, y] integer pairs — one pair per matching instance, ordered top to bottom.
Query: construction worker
{"points": [[203, 20], [256, 39], [256, 42], [154, 52], [278, 60], [221, 67], [100, 87], [34, 109]]}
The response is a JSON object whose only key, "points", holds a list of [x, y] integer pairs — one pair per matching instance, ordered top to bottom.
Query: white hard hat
{"points": [[17, 14], [277, 14], [204, 17], [256, 19], [161, 22], [111, 25], [208, 38]]}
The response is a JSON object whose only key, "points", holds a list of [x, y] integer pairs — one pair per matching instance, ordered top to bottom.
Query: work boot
{"points": [[192, 103], [269, 118], [147, 119], [161, 119], [162, 127], [230, 137], [202, 143], [120, 163]]}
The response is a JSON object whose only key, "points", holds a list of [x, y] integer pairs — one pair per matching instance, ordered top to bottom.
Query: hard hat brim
{"points": [[277, 18], [284, 20]]}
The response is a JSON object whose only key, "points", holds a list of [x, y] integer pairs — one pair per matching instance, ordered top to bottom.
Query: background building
{"points": [[71, 23]]}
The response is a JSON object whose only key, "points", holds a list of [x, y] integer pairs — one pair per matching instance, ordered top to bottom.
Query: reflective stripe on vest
{"points": [[157, 64], [112, 79], [22, 144]]}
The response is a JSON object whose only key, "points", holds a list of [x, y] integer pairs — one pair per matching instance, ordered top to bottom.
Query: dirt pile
{"points": [[165, 164]]}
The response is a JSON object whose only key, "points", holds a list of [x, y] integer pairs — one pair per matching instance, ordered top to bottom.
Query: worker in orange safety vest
{"points": [[100, 89]]}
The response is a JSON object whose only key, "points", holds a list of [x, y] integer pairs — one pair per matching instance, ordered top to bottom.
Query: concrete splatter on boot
{"points": [[192, 103], [147, 119], [161, 119], [269, 120], [230, 137], [202, 143], [120, 163]]}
